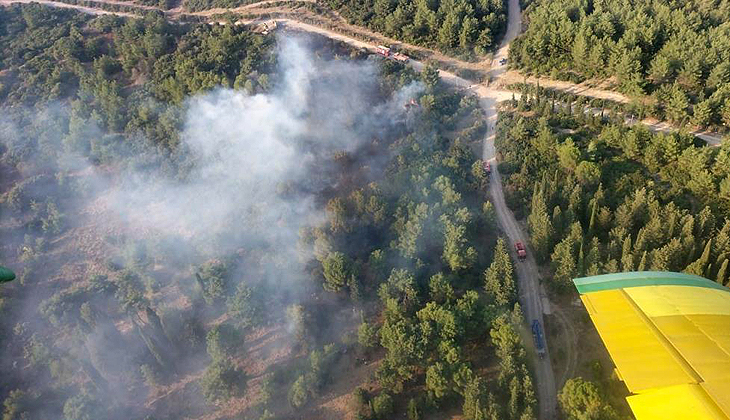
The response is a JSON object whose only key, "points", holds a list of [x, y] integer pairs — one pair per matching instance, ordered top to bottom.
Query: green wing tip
{"points": [[6, 275], [642, 278]]}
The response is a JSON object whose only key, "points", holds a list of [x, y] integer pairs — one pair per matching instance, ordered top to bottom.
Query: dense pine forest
{"points": [[452, 27], [678, 53], [600, 197], [603, 197], [204, 226]]}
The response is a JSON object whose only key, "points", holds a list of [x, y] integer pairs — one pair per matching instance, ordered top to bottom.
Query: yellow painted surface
{"points": [[658, 301], [715, 326], [671, 345], [700, 350], [642, 358], [719, 391], [680, 402]]}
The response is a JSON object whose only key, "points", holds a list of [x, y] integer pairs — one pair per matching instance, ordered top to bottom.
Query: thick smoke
{"points": [[257, 158], [260, 164]]}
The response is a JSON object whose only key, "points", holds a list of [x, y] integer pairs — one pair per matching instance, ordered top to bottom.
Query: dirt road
{"points": [[84, 9], [532, 295]]}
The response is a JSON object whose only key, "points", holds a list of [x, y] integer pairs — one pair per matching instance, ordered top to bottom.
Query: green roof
{"points": [[642, 278]]}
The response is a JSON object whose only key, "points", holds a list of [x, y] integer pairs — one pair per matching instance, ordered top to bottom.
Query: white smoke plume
{"points": [[247, 149], [259, 164]]}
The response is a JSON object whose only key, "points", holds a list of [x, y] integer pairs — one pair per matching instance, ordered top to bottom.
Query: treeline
{"points": [[198, 5], [454, 27], [678, 53], [605, 198]]}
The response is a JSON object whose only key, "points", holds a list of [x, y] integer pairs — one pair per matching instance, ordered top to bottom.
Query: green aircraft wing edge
{"points": [[6, 275]]}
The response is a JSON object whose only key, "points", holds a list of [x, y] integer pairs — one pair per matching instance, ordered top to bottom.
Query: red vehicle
{"points": [[383, 50], [400, 57], [411, 104], [487, 167], [521, 251]]}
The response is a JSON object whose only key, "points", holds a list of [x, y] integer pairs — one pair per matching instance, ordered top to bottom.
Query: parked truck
{"points": [[388, 53], [400, 57], [521, 251], [537, 336]]}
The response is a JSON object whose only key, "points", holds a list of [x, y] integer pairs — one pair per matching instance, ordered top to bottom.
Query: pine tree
{"points": [[468, 32], [580, 51], [677, 105], [702, 113], [490, 215], [457, 253], [593, 261], [564, 262], [514, 397], [473, 407]]}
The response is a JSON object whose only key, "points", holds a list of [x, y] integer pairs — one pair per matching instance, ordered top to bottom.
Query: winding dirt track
{"points": [[532, 295]]}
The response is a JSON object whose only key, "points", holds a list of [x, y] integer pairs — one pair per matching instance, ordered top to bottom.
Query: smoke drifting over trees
{"points": [[256, 160], [251, 169], [190, 250]]}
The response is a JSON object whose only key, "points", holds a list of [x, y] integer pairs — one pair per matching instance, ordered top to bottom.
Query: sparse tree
{"points": [[337, 269], [581, 400]]}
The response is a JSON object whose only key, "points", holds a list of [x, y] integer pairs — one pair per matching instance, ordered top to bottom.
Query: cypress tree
{"points": [[592, 223], [558, 225], [541, 228], [627, 257], [581, 261], [642, 263], [700, 265], [722, 273]]}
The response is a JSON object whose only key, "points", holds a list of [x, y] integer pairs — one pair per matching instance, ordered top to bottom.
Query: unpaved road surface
{"points": [[84, 9], [499, 73], [583, 89], [532, 295]]}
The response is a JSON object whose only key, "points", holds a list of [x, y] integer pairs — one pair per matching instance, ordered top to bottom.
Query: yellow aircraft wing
{"points": [[669, 336]]}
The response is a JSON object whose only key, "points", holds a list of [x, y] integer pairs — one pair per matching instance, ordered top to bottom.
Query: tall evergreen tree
{"points": [[541, 228], [700, 265], [722, 273], [499, 278]]}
